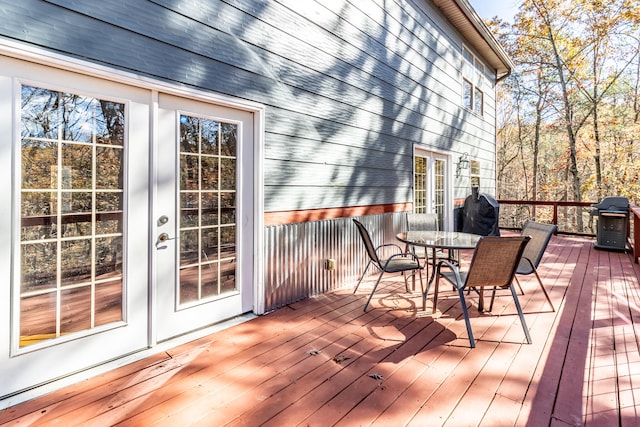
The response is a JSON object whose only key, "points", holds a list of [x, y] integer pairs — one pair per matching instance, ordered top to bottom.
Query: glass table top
{"points": [[440, 239]]}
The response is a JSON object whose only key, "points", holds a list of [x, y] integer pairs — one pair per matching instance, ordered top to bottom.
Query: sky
{"points": [[504, 9]]}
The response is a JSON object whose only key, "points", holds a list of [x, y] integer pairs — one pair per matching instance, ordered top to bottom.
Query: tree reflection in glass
{"points": [[72, 194], [207, 202]]}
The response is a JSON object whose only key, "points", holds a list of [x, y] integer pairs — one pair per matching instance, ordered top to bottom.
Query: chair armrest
{"points": [[389, 244], [397, 248], [454, 269]]}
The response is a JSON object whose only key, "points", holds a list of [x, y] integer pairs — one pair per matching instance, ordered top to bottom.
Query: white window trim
{"points": [[477, 80]]}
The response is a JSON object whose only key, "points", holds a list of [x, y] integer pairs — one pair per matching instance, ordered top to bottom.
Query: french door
{"points": [[431, 186], [203, 205], [79, 208], [131, 217]]}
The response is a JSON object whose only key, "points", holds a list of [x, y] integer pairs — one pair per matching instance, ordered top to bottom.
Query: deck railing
{"points": [[571, 218], [634, 239]]}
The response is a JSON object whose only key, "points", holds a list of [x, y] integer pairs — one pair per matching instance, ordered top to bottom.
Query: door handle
{"points": [[163, 237]]}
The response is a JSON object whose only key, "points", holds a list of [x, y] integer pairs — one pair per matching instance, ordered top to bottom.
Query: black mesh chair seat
{"points": [[398, 263]]}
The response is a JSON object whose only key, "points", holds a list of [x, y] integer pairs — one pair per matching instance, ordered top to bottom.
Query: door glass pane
{"points": [[39, 163], [109, 164], [72, 165], [189, 171], [420, 185], [430, 187], [439, 192], [207, 204], [228, 208], [189, 209], [209, 214], [37, 220], [189, 244], [75, 261], [189, 281], [109, 302], [41, 310], [74, 316]]}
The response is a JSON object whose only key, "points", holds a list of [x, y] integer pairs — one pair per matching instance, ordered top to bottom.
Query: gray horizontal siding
{"points": [[349, 87], [385, 135], [376, 154], [316, 175], [297, 198]]}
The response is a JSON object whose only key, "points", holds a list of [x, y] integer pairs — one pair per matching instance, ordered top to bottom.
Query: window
{"points": [[472, 82], [474, 173]]}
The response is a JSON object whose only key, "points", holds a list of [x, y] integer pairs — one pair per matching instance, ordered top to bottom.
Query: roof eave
{"points": [[475, 31]]}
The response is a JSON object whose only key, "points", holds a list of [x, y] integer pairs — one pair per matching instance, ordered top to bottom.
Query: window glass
{"points": [[467, 55], [479, 67], [473, 79], [467, 94], [478, 101], [474, 173], [71, 208]]}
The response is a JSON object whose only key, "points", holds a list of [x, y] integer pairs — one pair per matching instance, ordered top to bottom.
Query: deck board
{"points": [[312, 362]]}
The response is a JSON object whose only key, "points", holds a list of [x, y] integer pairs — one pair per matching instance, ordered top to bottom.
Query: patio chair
{"points": [[421, 222], [427, 222], [540, 236], [400, 262], [494, 263]]}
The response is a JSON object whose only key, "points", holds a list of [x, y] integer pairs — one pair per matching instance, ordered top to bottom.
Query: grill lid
{"points": [[612, 203]]}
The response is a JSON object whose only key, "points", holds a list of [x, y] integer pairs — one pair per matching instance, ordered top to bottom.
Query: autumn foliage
{"points": [[569, 114]]}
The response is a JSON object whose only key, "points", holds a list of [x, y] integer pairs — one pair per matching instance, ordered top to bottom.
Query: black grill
{"points": [[480, 214], [613, 214]]}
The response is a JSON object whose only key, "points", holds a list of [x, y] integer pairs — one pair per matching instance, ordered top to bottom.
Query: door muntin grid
{"points": [[429, 178], [420, 185], [71, 209], [208, 252]]}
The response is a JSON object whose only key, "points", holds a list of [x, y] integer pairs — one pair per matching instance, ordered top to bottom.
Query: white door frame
{"points": [[431, 156]]}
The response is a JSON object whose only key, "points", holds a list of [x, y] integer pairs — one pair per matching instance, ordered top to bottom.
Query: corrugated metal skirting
{"points": [[295, 255]]}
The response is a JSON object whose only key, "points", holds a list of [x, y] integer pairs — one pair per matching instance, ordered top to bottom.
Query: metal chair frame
{"points": [[540, 235], [398, 263]]}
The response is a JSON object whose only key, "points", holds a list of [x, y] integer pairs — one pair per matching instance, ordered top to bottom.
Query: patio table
{"points": [[450, 240]]}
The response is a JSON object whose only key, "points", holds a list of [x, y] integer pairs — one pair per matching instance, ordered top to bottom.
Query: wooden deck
{"points": [[324, 362]]}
